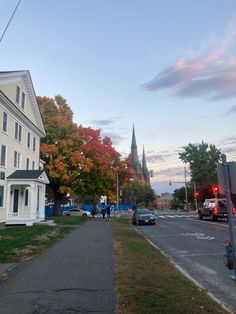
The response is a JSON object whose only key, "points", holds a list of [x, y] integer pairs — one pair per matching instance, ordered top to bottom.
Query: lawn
{"points": [[19, 243], [149, 283]]}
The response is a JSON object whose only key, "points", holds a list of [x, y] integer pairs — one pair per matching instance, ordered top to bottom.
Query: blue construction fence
{"points": [[49, 209]]}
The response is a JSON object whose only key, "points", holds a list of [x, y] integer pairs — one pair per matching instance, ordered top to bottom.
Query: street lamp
{"points": [[117, 189]]}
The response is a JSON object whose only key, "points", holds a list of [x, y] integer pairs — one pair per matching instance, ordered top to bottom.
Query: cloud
{"points": [[211, 74], [232, 110], [102, 122], [161, 157], [169, 172]]}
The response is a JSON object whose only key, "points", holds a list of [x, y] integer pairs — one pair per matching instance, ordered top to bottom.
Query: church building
{"points": [[140, 171]]}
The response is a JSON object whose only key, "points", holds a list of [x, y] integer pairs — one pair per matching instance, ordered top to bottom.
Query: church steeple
{"points": [[134, 152], [144, 163], [140, 171]]}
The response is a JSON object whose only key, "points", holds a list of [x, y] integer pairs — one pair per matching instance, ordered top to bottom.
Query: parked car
{"points": [[214, 208], [77, 212], [143, 216]]}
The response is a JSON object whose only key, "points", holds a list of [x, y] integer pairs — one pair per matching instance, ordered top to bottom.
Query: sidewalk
{"points": [[76, 275]]}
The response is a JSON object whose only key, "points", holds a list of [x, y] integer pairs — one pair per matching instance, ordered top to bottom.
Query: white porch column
{"points": [[8, 200], [33, 200], [42, 201]]}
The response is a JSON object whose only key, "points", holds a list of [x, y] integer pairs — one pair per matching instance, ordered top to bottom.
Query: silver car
{"points": [[77, 212]]}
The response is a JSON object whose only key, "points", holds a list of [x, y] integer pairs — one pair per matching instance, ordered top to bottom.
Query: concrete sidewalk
{"points": [[76, 275]]}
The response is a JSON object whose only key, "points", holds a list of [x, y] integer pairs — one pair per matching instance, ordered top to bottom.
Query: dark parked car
{"points": [[143, 216]]}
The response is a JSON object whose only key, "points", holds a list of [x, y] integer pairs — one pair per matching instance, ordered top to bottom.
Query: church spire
{"points": [[134, 151], [144, 163]]}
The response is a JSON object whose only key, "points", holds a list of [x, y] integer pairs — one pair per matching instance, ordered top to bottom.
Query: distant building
{"points": [[139, 171], [165, 201]]}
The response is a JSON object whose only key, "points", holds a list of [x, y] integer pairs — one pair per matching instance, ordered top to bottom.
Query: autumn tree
{"points": [[60, 149], [106, 163]]}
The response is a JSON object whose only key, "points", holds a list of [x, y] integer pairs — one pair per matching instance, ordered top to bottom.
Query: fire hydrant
{"points": [[228, 256]]}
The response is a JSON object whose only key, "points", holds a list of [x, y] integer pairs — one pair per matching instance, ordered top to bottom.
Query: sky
{"points": [[168, 67]]}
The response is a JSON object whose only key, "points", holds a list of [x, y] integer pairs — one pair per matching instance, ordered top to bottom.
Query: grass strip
{"points": [[69, 220], [20, 242], [149, 283]]}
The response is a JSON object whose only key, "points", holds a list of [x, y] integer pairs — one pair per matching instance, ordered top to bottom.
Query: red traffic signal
{"points": [[215, 189], [196, 194]]}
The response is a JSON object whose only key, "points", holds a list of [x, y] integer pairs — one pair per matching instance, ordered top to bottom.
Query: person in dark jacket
{"points": [[94, 211], [103, 212], [109, 212]]}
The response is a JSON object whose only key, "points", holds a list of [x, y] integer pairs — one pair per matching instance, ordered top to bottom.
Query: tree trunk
{"points": [[57, 205]]}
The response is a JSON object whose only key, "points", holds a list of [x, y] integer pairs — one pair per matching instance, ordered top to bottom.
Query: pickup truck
{"points": [[214, 208]]}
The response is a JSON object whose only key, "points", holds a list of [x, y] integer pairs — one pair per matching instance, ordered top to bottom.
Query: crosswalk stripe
{"points": [[174, 216]]}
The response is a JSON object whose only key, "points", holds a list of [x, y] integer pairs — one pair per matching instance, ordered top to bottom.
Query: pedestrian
{"points": [[94, 211], [103, 212], [108, 212]]}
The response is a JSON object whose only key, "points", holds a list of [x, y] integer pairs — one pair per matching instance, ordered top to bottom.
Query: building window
{"points": [[17, 95], [23, 100], [4, 122], [18, 131], [28, 140], [34, 144], [3, 156], [17, 160], [27, 163], [33, 165], [1, 195], [26, 197]]}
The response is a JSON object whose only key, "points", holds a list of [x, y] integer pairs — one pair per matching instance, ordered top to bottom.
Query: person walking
{"points": [[94, 211], [103, 212], [108, 212]]}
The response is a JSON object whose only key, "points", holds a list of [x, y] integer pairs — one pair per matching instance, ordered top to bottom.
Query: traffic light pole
{"points": [[186, 191], [195, 194], [229, 212]]}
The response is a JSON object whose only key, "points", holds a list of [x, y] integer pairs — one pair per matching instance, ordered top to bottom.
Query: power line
{"points": [[10, 20]]}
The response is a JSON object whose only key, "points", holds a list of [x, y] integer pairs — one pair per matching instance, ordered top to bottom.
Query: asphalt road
{"points": [[197, 247]]}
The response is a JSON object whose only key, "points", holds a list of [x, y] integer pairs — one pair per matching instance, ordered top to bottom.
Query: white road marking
{"points": [[198, 235], [205, 269]]}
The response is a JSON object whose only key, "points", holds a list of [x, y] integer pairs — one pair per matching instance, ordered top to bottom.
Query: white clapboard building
{"points": [[22, 179]]}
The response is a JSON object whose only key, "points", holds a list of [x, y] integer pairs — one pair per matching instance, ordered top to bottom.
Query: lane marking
{"points": [[198, 235], [201, 254]]}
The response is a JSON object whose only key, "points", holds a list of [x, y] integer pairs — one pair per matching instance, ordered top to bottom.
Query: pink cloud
{"points": [[212, 74]]}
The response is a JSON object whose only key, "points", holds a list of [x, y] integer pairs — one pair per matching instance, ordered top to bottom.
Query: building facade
{"points": [[139, 171], [22, 182]]}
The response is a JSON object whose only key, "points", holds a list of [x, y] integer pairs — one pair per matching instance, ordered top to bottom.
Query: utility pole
{"points": [[117, 191], [186, 191], [195, 194], [229, 211]]}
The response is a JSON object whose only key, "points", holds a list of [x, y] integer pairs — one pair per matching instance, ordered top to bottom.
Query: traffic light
{"points": [[215, 189], [196, 194]]}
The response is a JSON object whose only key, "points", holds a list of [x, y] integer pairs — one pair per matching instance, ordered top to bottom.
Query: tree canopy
{"points": [[202, 159], [78, 160], [138, 193]]}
